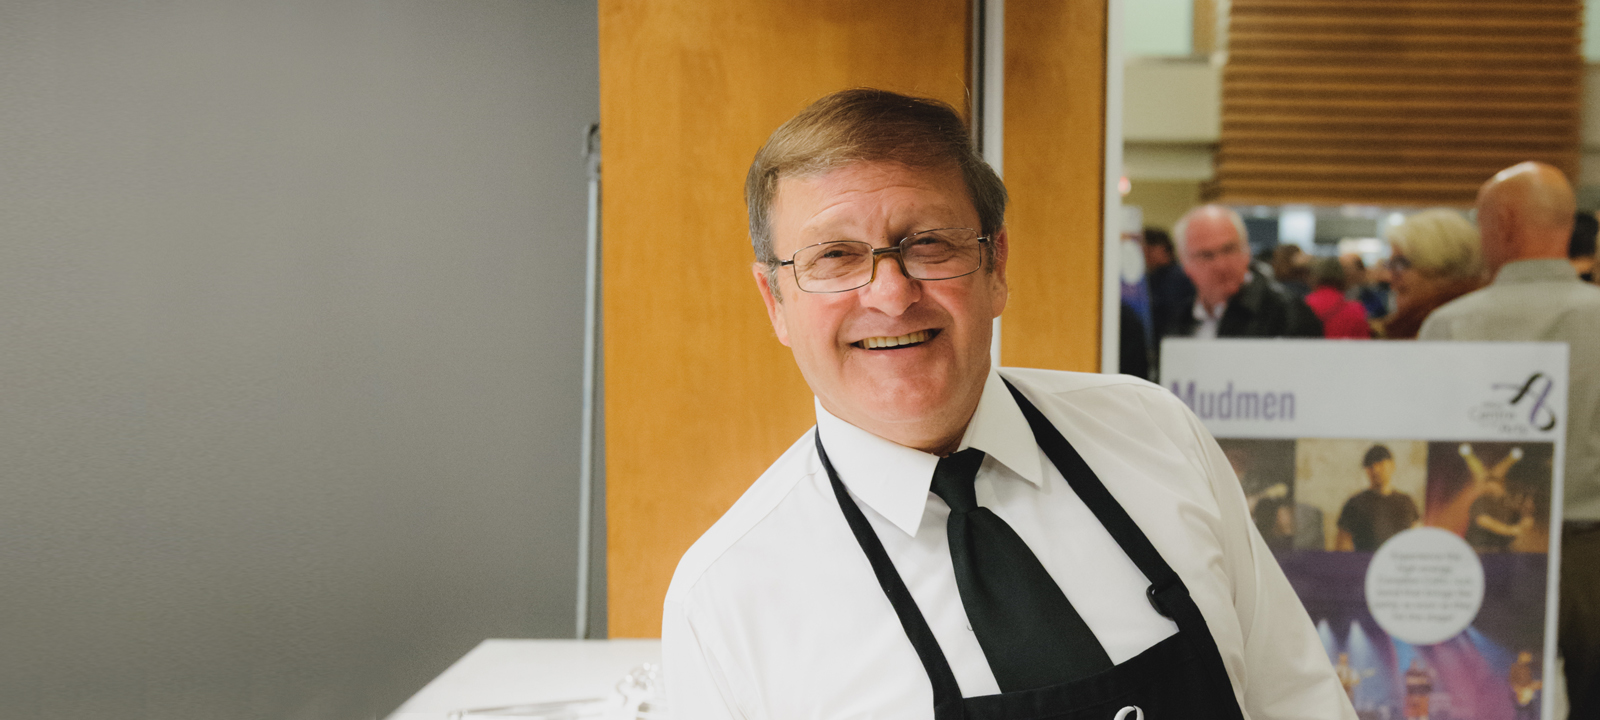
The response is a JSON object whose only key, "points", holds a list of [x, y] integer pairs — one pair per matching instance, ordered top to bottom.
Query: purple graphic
{"points": [[1490, 671]]}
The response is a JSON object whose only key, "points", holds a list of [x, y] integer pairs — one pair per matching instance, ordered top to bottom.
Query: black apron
{"points": [[1180, 677]]}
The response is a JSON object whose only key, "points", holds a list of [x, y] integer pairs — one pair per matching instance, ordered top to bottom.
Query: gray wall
{"points": [[290, 347]]}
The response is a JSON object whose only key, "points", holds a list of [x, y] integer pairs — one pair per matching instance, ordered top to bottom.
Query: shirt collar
{"points": [[1540, 270], [893, 479]]}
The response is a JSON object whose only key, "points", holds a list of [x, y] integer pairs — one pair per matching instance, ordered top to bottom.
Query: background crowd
{"points": [[1522, 269], [1203, 282]]}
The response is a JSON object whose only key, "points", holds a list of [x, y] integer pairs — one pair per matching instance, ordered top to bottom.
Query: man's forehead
{"points": [[866, 193], [1211, 229]]}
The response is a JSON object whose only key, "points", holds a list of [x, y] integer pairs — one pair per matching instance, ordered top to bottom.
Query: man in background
{"points": [[1525, 218], [1580, 249], [1170, 290], [1230, 300], [1377, 513]]}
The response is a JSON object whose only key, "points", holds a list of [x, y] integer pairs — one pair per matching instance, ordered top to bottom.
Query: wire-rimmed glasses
{"points": [[843, 265]]}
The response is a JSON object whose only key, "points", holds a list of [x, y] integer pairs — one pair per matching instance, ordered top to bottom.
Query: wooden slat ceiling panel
{"points": [[1399, 102]]}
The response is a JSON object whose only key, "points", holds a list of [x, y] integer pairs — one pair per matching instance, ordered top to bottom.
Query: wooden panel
{"points": [[1203, 30], [1394, 101], [1054, 169], [700, 397]]}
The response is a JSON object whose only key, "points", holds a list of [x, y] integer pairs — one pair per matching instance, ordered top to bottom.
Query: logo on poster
{"points": [[1527, 407]]}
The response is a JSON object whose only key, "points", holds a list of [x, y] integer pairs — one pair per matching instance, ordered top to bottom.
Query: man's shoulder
{"points": [[1533, 300], [1469, 304], [1265, 308], [1063, 383], [1100, 398], [764, 497], [1360, 499]]}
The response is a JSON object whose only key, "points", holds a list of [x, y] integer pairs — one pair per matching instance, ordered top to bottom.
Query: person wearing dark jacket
{"points": [[1229, 299]]}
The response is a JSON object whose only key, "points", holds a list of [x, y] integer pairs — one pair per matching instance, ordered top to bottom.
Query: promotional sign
{"points": [[1411, 493]]}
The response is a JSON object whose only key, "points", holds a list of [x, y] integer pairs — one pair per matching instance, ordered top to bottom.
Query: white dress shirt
{"points": [[775, 611]]}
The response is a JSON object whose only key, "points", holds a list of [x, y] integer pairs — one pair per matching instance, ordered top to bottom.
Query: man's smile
{"points": [[900, 341]]}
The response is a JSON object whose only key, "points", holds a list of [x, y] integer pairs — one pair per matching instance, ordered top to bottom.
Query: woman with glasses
{"points": [[1436, 259]]}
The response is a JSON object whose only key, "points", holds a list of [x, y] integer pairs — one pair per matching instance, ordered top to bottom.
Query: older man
{"points": [[1525, 220], [1230, 299], [953, 541]]}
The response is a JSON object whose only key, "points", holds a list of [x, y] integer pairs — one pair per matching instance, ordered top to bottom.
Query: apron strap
{"points": [[1167, 593], [945, 689]]}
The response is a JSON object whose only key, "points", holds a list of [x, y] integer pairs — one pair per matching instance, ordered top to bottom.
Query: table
{"points": [[515, 672]]}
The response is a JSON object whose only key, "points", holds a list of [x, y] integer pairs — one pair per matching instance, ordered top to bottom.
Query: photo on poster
{"points": [[1265, 469], [1365, 490], [1495, 495], [1344, 516], [1492, 670]]}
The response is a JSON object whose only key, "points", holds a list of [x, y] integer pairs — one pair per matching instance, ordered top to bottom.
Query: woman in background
{"points": [[1436, 259], [1342, 318]]}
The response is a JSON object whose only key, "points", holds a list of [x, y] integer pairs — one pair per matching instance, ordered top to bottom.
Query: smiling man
{"points": [[952, 540]]}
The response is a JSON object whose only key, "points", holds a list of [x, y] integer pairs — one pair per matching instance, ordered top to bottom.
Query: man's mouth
{"points": [[885, 343]]}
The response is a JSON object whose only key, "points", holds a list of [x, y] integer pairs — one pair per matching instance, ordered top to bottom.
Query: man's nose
{"points": [[891, 290]]}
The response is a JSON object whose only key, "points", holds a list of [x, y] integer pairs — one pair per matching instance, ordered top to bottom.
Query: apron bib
{"points": [[1180, 677]]}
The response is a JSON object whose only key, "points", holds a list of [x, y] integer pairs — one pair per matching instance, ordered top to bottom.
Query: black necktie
{"points": [[1028, 629]]}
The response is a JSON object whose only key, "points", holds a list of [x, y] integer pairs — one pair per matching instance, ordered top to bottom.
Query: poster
{"points": [[1411, 492]]}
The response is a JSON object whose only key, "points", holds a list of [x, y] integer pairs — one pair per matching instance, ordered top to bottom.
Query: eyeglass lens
{"points": [[846, 265]]}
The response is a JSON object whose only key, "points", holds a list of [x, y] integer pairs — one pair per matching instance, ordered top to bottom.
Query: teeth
{"points": [[874, 343]]}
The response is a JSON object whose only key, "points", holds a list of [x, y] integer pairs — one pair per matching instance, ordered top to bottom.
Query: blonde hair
{"points": [[867, 125], [1441, 243]]}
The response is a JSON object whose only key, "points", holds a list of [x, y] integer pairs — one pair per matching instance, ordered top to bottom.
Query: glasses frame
{"points": [[899, 258]]}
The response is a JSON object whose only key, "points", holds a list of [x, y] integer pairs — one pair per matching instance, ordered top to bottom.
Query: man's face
{"points": [[1214, 257], [907, 393], [1380, 473]]}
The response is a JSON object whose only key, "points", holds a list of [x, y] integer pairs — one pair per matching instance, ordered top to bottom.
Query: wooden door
{"points": [[700, 396]]}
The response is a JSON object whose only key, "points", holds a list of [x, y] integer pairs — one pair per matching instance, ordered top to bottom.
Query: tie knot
{"points": [[953, 477]]}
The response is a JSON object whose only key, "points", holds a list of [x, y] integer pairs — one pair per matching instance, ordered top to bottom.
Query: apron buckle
{"points": [[1159, 599]]}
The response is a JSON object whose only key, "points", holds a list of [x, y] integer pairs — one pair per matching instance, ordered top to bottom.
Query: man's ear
{"points": [[1002, 248], [774, 305]]}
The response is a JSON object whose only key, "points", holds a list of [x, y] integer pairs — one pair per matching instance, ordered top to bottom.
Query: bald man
{"points": [[1525, 218], [1229, 299]]}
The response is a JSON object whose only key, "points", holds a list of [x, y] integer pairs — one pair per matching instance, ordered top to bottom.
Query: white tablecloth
{"points": [[516, 672]]}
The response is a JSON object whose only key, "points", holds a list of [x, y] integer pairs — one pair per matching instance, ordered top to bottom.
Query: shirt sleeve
{"points": [[1287, 672], [696, 687]]}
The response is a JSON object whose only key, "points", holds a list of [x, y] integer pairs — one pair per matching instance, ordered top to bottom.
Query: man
{"points": [[1525, 221], [1581, 248], [1171, 293], [1230, 299], [1377, 513], [1497, 517], [944, 537], [1349, 677], [1524, 686], [1419, 689]]}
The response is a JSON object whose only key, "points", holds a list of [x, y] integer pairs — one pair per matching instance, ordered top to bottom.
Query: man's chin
{"points": [[889, 411]]}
